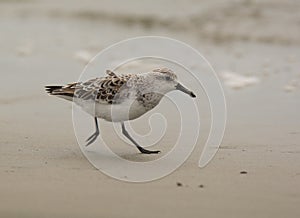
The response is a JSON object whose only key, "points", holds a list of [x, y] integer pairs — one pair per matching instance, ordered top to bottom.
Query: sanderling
{"points": [[119, 98]]}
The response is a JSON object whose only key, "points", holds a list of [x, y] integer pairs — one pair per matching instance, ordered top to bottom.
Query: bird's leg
{"points": [[94, 136], [141, 149]]}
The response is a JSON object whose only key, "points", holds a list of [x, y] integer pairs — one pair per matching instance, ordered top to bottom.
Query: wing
{"points": [[103, 90]]}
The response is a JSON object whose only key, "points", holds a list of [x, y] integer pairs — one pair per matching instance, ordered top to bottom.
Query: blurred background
{"points": [[249, 43], [254, 46]]}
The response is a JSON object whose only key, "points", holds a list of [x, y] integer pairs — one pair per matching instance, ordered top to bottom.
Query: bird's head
{"points": [[165, 80]]}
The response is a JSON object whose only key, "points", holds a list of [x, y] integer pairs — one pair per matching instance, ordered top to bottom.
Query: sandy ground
{"points": [[43, 172]]}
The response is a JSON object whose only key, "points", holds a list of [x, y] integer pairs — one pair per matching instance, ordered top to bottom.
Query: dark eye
{"points": [[168, 78]]}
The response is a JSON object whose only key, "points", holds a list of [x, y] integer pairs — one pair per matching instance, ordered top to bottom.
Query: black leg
{"points": [[94, 136], [141, 149]]}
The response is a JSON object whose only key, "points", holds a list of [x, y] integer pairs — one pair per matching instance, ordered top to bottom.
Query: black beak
{"points": [[185, 90]]}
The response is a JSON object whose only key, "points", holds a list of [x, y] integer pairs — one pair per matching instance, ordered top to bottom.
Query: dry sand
{"points": [[256, 173]]}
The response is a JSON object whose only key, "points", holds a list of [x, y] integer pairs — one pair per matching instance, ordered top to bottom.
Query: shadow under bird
{"points": [[120, 97]]}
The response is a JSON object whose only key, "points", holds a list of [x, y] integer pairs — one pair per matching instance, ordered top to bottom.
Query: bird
{"points": [[120, 97]]}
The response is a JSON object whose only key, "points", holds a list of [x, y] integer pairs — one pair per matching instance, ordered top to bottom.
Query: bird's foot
{"points": [[92, 138], [145, 151]]}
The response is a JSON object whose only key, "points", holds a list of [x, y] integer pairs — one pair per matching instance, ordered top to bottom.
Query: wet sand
{"points": [[256, 172]]}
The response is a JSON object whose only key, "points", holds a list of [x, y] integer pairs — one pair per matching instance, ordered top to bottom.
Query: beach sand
{"points": [[255, 173]]}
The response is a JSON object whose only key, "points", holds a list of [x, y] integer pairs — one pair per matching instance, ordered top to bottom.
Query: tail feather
{"points": [[50, 89], [66, 92]]}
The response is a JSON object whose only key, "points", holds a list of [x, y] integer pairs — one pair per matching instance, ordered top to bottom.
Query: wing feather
{"points": [[103, 90]]}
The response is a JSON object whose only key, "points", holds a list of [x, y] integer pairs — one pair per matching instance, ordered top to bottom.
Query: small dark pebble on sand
{"points": [[243, 172], [179, 184], [201, 186]]}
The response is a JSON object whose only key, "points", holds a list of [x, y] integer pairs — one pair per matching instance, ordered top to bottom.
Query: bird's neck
{"points": [[149, 100]]}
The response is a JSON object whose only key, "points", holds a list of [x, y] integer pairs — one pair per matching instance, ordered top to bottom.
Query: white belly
{"points": [[113, 112]]}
